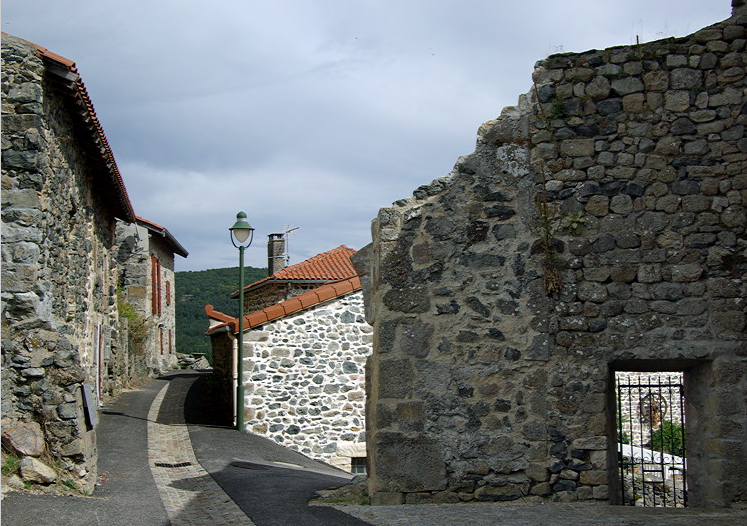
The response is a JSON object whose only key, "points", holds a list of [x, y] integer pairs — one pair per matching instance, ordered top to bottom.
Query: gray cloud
{"points": [[310, 114]]}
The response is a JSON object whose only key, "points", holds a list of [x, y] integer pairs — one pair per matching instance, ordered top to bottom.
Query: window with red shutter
{"points": [[154, 283], [160, 301]]}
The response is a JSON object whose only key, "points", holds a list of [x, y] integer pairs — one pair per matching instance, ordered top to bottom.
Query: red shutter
{"points": [[158, 264], [154, 283], [168, 293]]}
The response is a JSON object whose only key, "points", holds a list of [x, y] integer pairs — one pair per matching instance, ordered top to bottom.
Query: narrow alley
{"points": [[164, 460]]}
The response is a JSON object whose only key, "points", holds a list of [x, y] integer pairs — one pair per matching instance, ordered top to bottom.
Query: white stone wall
{"points": [[305, 380], [636, 425]]}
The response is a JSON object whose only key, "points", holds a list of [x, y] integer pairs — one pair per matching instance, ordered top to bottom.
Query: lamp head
{"points": [[241, 230]]}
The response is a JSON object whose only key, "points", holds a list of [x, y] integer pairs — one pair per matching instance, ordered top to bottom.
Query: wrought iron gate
{"points": [[651, 439]]}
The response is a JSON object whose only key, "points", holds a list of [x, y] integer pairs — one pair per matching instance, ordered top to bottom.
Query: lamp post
{"points": [[241, 231]]}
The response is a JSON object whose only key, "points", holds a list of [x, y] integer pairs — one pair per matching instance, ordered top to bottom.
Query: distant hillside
{"points": [[194, 290]]}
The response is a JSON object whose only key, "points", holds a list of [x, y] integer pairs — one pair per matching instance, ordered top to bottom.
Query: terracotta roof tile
{"points": [[151, 223], [332, 265], [325, 293], [306, 300], [293, 305], [274, 311], [254, 319]]}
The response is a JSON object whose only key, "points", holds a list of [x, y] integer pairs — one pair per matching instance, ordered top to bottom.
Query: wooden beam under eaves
{"points": [[62, 72]]}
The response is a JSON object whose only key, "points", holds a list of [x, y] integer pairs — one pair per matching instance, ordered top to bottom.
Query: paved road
{"points": [[162, 464], [151, 474], [123, 475]]}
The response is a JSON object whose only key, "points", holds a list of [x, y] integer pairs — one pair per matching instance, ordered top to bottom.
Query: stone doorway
{"points": [[650, 428]]}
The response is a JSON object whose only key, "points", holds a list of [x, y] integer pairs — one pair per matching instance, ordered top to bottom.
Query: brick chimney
{"points": [[275, 253]]}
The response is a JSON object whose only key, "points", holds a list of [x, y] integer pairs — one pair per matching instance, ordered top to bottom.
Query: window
{"points": [[168, 293], [358, 465]]}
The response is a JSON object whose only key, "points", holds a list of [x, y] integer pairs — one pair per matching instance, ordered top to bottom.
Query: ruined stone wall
{"points": [[598, 226], [135, 247], [134, 264], [59, 280], [305, 380]]}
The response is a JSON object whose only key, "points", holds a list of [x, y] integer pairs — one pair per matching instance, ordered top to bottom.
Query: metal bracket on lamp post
{"points": [[241, 231]]}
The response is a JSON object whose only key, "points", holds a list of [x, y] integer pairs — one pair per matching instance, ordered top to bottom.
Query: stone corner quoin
{"points": [[598, 225]]}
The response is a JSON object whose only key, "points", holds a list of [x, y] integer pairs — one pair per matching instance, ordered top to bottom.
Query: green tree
{"points": [[194, 290]]}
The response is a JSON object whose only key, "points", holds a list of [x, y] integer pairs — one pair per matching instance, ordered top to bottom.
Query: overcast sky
{"points": [[311, 113]]}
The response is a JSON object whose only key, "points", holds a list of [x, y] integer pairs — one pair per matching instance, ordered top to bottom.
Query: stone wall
{"points": [[598, 226], [136, 246], [59, 314], [224, 345], [305, 380]]}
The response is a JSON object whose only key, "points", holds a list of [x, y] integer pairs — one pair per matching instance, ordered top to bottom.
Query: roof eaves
{"points": [[164, 232], [293, 305]]}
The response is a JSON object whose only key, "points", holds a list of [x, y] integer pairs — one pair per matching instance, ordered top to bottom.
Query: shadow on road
{"points": [[245, 466]]}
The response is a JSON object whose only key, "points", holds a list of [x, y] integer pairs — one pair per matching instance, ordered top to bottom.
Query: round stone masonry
{"points": [[305, 378]]}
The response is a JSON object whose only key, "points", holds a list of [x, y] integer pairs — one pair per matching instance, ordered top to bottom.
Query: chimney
{"points": [[275, 253]]}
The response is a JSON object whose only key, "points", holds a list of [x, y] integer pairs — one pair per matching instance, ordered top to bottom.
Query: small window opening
{"points": [[358, 465]]}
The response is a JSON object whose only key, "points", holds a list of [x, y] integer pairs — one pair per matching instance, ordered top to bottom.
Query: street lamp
{"points": [[241, 231]]}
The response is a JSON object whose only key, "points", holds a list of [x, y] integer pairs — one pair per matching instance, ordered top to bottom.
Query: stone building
{"points": [[62, 195], [599, 226], [146, 258], [285, 282], [304, 364]]}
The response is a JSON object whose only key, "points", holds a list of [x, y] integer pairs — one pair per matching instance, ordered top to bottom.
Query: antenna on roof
{"points": [[288, 230]]}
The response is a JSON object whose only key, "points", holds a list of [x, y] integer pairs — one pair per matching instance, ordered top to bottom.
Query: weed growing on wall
{"points": [[548, 221], [137, 327]]}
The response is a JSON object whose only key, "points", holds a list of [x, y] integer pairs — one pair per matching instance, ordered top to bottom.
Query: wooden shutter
{"points": [[154, 283]]}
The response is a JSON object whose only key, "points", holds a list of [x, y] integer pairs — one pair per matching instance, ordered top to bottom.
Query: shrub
{"points": [[669, 438]]}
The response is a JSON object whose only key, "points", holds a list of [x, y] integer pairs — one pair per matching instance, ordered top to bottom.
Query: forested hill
{"points": [[194, 290]]}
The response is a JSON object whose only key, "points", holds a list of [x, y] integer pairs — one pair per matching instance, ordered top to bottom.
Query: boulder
{"points": [[25, 439], [36, 471]]}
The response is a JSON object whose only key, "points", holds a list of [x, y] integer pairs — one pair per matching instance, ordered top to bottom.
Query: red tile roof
{"points": [[66, 74], [176, 247], [332, 265], [303, 301]]}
